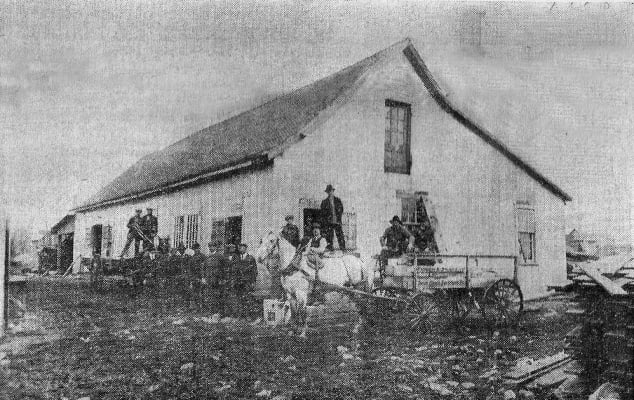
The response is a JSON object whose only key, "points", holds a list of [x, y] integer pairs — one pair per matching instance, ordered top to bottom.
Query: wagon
{"points": [[431, 290]]}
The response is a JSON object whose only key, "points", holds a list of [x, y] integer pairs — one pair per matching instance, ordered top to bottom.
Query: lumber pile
{"points": [[603, 341]]}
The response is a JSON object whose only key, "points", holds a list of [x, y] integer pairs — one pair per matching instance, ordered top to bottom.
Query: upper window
{"points": [[397, 137], [526, 234]]}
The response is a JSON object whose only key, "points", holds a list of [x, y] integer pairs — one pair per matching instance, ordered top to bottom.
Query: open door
{"points": [[95, 239]]}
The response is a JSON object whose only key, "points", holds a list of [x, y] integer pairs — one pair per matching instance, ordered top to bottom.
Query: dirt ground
{"points": [[118, 344]]}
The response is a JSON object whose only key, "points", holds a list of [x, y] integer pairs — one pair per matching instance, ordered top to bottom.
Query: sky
{"points": [[88, 88]]}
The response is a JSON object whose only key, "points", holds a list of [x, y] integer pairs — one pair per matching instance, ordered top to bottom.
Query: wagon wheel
{"points": [[502, 303], [459, 306], [386, 309], [427, 311]]}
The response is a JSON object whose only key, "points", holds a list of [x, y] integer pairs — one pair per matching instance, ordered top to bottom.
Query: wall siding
{"points": [[474, 188]]}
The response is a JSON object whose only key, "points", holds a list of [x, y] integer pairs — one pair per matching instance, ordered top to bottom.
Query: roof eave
{"points": [[442, 100], [260, 161]]}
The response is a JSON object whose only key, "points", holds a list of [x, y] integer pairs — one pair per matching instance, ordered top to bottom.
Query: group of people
{"points": [[141, 230], [226, 277], [223, 280]]}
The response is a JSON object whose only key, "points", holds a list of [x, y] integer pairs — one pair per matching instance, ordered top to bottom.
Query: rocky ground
{"points": [[118, 345]]}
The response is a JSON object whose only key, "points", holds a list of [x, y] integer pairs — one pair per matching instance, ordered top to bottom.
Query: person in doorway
{"points": [[331, 212], [149, 227], [290, 231], [135, 234], [246, 272]]}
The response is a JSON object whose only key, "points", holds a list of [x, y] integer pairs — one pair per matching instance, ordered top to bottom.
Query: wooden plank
{"points": [[604, 282], [526, 372]]}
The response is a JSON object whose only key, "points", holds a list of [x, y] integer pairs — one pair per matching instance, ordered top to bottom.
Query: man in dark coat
{"points": [[331, 212], [149, 227], [134, 234], [194, 271], [246, 272], [214, 278]]}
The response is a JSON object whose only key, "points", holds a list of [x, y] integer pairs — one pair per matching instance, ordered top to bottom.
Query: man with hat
{"points": [[331, 212], [149, 227], [134, 233], [396, 239], [314, 247], [246, 272]]}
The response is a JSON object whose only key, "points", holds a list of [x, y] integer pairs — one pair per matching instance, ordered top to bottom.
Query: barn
{"points": [[385, 135]]}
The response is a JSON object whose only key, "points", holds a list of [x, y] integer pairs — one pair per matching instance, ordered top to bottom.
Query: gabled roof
{"points": [[255, 136], [68, 218]]}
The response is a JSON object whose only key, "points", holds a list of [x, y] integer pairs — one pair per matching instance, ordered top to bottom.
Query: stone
{"points": [[187, 366], [468, 385], [526, 394], [509, 395]]}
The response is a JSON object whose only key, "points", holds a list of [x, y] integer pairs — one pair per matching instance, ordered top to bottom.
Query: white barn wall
{"points": [[473, 186]]}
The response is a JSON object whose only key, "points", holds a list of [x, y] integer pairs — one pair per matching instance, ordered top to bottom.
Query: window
{"points": [[397, 137], [414, 216], [179, 229], [225, 231], [526, 234], [191, 235]]}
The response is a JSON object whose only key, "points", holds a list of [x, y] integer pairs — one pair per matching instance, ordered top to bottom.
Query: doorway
{"points": [[311, 215], [233, 230], [96, 236], [65, 251]]}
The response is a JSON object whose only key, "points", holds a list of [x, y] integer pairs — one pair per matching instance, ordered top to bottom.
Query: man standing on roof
{"points": [[331, 212], [149, 226], [134, 234]]}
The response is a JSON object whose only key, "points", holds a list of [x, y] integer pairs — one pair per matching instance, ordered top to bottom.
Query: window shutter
{"points": [[435, 224], [349, 227], [88, 239], [106, 240]]}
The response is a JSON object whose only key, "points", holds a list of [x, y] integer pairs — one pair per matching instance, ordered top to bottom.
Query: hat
{"points": [[329, 188], [149, 209], [138, 210], [289, 216], [395, 219], [316, 225], [242, 245]]}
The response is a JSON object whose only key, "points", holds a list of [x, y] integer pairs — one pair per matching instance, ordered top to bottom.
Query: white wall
{"points": [[474, 188]]}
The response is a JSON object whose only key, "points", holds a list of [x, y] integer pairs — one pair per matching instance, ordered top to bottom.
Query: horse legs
{"points": [[302, 300]]}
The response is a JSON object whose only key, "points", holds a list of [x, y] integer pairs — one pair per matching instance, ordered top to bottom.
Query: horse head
{"points": [[267, 248]]}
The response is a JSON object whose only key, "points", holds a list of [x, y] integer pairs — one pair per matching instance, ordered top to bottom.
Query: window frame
{"points": [[388, 163], [532, 234]]}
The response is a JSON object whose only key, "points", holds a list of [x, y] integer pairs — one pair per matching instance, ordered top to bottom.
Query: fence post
{"points": [[5, 258]]}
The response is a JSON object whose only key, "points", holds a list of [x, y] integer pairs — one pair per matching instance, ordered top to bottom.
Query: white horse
{"points": [[297, 282]]}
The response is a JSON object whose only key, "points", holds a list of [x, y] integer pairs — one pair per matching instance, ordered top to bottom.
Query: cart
{"points": [[431, 290]]}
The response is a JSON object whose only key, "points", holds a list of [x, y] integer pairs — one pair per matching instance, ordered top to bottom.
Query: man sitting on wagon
{"points": [[396, 240], [313, 247]]}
